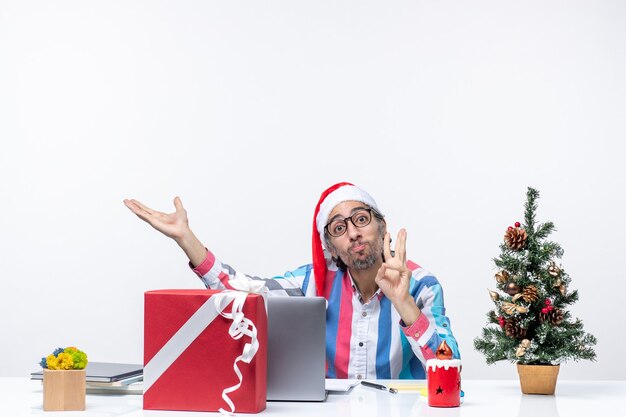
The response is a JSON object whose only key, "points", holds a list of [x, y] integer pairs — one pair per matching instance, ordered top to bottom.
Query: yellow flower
{"points": [[61, 361], [65, 361], [52, 362]]}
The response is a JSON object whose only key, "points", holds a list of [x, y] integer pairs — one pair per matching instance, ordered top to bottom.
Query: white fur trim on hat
{"points": [[341, 194]]}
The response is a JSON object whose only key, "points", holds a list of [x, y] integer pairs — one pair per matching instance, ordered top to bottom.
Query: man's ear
{"points": [[329, 247]]}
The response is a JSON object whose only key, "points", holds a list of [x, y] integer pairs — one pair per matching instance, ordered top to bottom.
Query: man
{"points": [[385, 315]]}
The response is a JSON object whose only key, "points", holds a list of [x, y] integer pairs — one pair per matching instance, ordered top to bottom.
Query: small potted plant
{"points": [[530, 324], [64, 380]]}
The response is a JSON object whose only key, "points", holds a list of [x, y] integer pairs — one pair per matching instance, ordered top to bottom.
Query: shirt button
{"points": [[364, 314], [417, 334], [360, 344], [359, 376]]}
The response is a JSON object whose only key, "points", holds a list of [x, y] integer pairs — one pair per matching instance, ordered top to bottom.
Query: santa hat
{"points": [[338, 193]]}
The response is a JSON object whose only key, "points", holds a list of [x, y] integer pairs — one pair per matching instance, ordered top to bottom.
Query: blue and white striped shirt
{"points": [[364, 338]]}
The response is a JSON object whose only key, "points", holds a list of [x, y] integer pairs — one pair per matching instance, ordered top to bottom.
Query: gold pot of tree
{"points": [[530, 324]]}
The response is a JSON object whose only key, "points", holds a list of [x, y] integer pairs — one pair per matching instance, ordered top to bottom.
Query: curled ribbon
{"points": [[241, 325]]}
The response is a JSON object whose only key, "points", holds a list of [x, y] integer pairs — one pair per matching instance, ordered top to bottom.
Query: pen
{"points": [[380, 387]]}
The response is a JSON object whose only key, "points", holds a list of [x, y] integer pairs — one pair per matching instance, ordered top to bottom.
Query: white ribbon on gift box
{"points": [[241, 326]]}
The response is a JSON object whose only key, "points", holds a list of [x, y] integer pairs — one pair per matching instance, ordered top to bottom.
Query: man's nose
{"points": [[352, 231]]}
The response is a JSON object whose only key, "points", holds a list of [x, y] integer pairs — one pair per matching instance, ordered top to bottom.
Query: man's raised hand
{"points": [[174, 225], [394, 277]]}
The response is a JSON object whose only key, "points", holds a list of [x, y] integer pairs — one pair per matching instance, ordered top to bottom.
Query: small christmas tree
{"points": [[532, 325]]}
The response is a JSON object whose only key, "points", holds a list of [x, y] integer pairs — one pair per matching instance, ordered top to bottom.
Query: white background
{"points": [[445, 111]]}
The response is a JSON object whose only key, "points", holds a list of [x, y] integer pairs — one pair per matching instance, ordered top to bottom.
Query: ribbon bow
{"points": [[252, 286], [241, 325]]}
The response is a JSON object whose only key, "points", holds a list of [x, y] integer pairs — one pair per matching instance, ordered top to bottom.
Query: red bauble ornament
{"points": [[517, 224], [510, 228], [548, 302], [501, 321]]}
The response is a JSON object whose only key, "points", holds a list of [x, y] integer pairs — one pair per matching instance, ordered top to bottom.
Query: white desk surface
{"points": [[499, 398]]}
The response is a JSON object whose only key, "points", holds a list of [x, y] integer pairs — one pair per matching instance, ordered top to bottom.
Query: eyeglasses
{"points": [[359, 219]]}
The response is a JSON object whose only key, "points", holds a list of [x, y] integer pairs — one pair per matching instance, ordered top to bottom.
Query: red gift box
{"points": [[189, 353]]}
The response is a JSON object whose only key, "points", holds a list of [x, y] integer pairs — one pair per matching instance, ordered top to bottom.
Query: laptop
{"points": [[296, 348]]}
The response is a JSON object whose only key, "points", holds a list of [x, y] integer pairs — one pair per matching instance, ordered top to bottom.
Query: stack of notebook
{"points": [[107, 377]]}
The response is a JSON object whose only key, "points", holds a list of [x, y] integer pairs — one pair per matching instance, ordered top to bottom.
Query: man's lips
{"points": [[358, 248]]}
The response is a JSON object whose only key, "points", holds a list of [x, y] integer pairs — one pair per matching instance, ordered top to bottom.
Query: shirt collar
{"points": [[355, 290]]}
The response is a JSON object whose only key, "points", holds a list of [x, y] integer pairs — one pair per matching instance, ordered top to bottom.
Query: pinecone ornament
{"points": [[515, 238], [530, 294], [552, 315], [556, 317], [512, 329]]}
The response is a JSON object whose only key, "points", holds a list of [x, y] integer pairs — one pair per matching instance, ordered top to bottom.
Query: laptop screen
{"points": [[296, 351]]}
